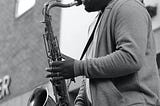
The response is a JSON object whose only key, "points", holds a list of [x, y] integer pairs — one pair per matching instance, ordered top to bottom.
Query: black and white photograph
{"points": [[80, 53]]}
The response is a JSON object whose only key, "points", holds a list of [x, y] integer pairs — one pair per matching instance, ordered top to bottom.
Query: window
{"points": [[23, 6]]}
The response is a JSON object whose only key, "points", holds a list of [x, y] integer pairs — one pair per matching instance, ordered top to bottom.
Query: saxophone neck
{"points": [[58, 3]]}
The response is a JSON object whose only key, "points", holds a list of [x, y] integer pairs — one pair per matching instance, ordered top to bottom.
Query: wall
{"points": [[22, 55]]}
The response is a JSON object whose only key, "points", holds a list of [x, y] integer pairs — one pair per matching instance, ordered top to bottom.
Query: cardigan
{"points": [[124, 71]]}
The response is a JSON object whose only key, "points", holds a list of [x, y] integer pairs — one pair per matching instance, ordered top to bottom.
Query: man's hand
{"points": [[63, 69]]}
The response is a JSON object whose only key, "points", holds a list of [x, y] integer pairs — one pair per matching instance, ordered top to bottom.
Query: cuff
{"points": [[78, 68]]}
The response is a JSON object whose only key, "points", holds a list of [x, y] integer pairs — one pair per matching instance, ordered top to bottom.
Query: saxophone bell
{"points": [[40, 97]]}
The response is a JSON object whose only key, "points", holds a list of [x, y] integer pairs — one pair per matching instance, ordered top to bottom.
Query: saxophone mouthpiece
{"points": [[79, 2]]}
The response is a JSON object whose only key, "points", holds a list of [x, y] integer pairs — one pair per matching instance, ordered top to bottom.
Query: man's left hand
{"points": [[61, 69]]}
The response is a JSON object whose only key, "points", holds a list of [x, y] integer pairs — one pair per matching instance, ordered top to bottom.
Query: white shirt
{"points": [[91, 52]]}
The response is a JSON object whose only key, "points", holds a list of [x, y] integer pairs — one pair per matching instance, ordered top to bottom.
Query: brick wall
{"points": [[22, 54]]}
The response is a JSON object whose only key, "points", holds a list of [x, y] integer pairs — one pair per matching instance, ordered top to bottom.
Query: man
{"points": [[121, 59]]}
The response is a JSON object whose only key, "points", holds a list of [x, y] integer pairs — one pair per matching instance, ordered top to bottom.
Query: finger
{"points": [[66, 57], [56, 63], [48, 69], [53, 70], [54, 75], [56, 79]]}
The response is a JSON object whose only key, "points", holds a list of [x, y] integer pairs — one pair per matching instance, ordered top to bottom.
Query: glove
{"points": [[62, 69]]}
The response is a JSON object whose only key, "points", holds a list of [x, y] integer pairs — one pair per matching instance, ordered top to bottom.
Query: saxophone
{"points": [[40, 95]]}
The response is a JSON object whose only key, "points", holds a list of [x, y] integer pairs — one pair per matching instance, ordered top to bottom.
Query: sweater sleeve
{"points": [[130, 34], [81, 99]]}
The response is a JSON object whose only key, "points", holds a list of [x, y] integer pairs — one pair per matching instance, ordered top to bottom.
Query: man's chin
{"points": [[88, 9]]}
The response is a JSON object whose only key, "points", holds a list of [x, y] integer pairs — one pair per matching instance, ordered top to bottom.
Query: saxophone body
{"points": [[53, 53]]}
